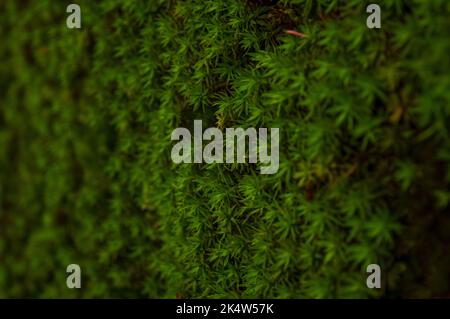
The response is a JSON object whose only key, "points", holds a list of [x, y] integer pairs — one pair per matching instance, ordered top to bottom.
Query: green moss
{"points": [[85, 170]]}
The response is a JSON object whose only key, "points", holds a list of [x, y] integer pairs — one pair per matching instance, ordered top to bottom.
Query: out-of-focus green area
{"points": [[85, 170]]}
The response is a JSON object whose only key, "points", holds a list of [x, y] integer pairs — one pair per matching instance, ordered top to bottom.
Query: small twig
{"points": [[296, 34]]}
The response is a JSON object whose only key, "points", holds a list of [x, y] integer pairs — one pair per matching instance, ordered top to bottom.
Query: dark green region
{"points": [[86, 175]]}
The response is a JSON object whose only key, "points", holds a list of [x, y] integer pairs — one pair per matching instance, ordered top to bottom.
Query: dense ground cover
{"points": [[85, 170]]}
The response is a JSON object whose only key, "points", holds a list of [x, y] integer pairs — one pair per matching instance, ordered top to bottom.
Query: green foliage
{"points": [[85, 170]]}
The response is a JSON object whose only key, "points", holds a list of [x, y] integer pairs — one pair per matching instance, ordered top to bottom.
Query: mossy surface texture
{"points": [[86, 175]]}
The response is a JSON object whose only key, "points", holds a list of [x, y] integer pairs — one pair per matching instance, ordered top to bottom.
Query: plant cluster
{"points": [[86, 176]]}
